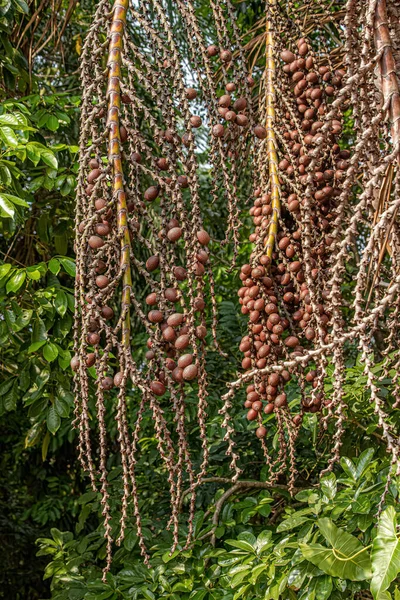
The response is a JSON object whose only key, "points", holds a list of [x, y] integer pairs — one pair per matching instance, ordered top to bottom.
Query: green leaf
{"points": [[22, 6], [8, 120], [52, 123], [8, 136], [48, 157], [7, 209], [69, 265], [54, 266], [4, 270], [16, 281], [60, 302], [50, 352], [5, 385], [10, 399], [53, 420], [328, 486], [292, 522], [385, 554], [346, 558]]}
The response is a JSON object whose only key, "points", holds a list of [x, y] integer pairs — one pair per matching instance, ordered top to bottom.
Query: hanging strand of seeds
{"points": [[143, 263], [293, 293]]}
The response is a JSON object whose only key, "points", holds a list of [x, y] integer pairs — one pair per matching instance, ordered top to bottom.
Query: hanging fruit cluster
{"points": [[284, 286]]}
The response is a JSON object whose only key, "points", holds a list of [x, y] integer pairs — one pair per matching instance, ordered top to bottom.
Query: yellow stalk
{"points": [[114, 106], [271, 139]]}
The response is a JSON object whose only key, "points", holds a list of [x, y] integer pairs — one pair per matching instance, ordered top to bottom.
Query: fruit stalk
{"points": [[114, 63], [387, 67], [271, 139]]}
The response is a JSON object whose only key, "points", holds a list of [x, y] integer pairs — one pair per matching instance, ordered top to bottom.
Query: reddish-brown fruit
{"points": [[212, 51], [225, 55], [287, 56], [230, 87], [190, 93], [225, 101], [230, 116], [242, 120], [195, 121], [218, 131], [260, 132], [123, 134], [136, 157], [94, 163], [163, 164], [93, 175], [183, 181], [151, 193], [100, 203], [102, 229], [174, 234], [203, 237], [95, 242], [152, 263], [180, 273], [102, 281], [171, 294], [151, 299], [199, 304], [107, 312], [155, 316], [175, 320], [201, 332], [169, 334], [93, 339], [291, 341], [182, 342], [90, 359], [185, 360], [74, 363], [190, 373], [177, 375], [118, 377], [107, 383], [157, 388], [281, 401], [257, 405], [269, 408], [252, 414], [297, 419], [261, 432]]}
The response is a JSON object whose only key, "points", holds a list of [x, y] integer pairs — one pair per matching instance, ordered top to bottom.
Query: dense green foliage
{"points": [[257, 542]]}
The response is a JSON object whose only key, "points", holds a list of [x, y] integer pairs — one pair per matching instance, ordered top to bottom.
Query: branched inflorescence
{"points": [[318, 207], [139, 223]]}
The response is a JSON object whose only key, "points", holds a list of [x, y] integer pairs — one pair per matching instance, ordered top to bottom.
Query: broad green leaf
{"points": [[8, 120], [52, 123], [8, 136], [48, 157], [7, 209], [69, 265], [54, 266], [4, 269], [16, 281], [60, 302], [50, 351], [6, 385], [10, 399], [53, 420], [364, 461], [349, 467], [328, 486], [292, 522], [385, 554], [346, 557]]}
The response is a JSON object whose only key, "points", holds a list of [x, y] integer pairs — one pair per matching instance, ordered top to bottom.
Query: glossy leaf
{"points": [[385, 554]]}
